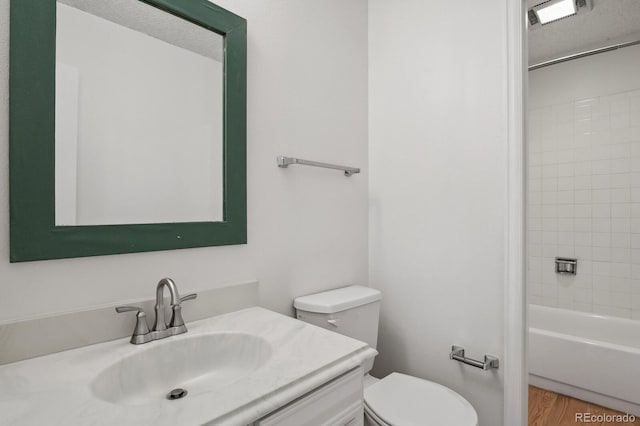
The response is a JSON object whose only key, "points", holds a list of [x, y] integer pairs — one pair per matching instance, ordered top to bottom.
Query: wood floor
{"points": [[551, 409]]}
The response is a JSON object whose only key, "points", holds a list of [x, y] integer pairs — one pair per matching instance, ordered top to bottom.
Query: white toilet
{"points": [[398, 399]]}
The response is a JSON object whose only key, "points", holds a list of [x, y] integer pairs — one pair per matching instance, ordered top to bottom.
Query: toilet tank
{"points": [[352, 311]]}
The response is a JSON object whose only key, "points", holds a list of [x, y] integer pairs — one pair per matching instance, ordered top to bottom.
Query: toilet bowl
{"points": [[397, 399], [402, 400]]}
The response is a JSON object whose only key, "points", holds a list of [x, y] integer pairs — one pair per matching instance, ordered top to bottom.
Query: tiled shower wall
{"points": [[584, 202]]}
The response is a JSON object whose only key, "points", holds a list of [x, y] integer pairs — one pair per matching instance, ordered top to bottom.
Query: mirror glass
{"points": [[139, 116]]}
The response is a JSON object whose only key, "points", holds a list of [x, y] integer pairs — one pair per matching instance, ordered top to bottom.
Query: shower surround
{"points": [[584, 202]]}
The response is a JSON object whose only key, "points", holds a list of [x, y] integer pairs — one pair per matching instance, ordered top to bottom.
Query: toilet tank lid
{"points": [[329, 302]]}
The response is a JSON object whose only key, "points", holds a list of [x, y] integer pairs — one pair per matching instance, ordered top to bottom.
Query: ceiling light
{"points": [[555, 9]]}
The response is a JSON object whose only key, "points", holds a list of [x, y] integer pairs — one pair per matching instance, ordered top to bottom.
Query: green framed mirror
{"points": [[127, 127]]}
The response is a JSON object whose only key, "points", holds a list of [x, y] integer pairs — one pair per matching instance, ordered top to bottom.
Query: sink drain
{"points": [[177, 394]]}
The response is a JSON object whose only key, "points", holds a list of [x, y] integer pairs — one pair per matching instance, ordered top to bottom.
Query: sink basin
{"points": [[199, 364]]}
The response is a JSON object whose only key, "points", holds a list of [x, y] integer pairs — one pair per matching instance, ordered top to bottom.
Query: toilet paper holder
{"points": [[490, 362]]}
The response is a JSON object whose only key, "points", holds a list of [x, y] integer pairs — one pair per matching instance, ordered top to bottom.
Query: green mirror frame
{"points": [[34, 235]]}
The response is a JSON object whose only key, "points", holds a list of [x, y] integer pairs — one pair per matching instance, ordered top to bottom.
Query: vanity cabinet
{"points": [[336, 403]]}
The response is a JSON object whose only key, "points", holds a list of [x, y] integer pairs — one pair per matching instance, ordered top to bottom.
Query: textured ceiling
{"points": [[609, 20]]}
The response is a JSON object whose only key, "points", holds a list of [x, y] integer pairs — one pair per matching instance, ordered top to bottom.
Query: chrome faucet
{"points": [[160, 324], [161, 330]]}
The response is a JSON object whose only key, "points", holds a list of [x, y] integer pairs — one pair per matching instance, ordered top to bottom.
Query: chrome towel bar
{"points": [[285, 162], [490, 362]]}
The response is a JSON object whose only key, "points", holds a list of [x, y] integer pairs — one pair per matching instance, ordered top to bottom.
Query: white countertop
{"points": [[56, 389]]}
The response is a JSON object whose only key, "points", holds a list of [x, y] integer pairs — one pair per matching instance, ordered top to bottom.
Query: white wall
{"points": [[584, 183], [438, 184], [307, 227]]}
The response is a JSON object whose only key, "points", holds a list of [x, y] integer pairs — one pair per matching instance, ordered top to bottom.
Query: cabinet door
{"points": [[337, 403]]}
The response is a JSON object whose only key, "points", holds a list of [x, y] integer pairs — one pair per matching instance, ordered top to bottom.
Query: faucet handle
{"points": [[188, 297], [121, 309], [176, 317], [141, 333]]}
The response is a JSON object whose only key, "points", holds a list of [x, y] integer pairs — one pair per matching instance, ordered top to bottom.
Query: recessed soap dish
{"points": [[566, 265]]}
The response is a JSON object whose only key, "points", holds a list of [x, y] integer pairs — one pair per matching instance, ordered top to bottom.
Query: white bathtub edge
{"points": [[585, 395]]}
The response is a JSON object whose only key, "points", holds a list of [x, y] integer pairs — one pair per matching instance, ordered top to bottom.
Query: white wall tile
{"points": [[619, 151], [601, 152], [549, 157], [620, 165], [634, 165], [601, 167], [566, 169], [580, 169], [549, 170], [535, 172], [621, 180], [584, 181], [601, 181], [566, 183], [549, 184], [620, 195], [582, 196], [601, 196], [534, 197], [550, 197], [565, 197], [584, 202], [601, 210], [621, 210], [565, 211], [582, 211], [549, 224], [566, 224], [582, 224], [601, 224], [620, 225], [635, 225], [549, 237], [566, 238], [582, 238], [601, 239], [621, 240], [534, 250], [549, 250], [565, 250], [583, 252], [601, 254], [621, 255], [601, 268], [620, 270], [635, 272], [601, 283], [621, 285], [583, 295], [602, 298], [620, 300], [583, 307], [601, 310], [619, 312]]}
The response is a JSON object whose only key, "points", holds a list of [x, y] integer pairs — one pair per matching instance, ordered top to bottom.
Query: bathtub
{"points": [[587, 356]]}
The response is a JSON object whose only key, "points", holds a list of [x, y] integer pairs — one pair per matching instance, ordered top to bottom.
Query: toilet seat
{"points": [[401, 400]]}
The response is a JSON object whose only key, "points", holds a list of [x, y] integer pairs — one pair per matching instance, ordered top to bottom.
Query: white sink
{"points": [[201, 363], [236, 367]]}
